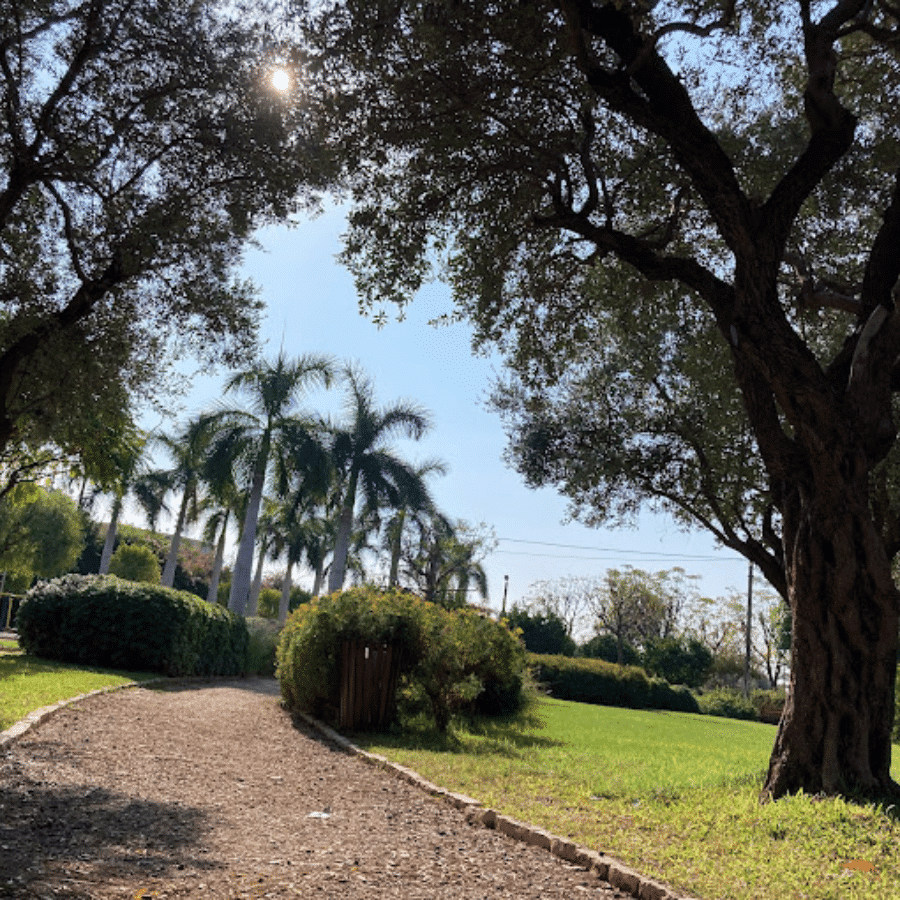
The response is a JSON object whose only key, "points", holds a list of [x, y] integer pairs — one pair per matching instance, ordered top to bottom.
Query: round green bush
{"points": [[135, 562], [267, 605], [104, 621], [263, 643], [458, 659]]}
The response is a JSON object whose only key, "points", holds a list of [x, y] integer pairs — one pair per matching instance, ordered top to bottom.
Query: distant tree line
{"points": [[658, 621]]}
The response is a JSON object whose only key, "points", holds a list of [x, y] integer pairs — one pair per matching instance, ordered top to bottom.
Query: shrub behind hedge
{"points": [[104, 621], [607, 684], [727, 703]]}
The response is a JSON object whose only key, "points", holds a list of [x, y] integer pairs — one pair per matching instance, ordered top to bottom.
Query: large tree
{"points": [[140, 145], [720, 181], [41, 534]]}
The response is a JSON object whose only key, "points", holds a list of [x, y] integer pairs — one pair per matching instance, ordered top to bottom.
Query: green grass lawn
{"points": [[28, 683], [672, 794]]}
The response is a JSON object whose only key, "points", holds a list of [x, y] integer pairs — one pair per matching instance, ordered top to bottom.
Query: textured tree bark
{"points": [[835, 733]]}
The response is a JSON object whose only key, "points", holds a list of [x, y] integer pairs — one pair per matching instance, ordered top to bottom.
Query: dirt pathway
{"points": [[210, 791]]}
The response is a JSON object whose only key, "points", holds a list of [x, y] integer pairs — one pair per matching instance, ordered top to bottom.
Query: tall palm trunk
{"points": [[396, 538], [110, 541], [243, 566], [338, 570], [168, 575], [432, 575], [319, 577], [256, 587], [212, 595], [285, 601]]}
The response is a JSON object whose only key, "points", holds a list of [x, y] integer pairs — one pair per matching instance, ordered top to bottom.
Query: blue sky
{"points": [[312, 307]]}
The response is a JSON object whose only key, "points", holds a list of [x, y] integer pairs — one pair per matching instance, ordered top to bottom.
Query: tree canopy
{"points": [[140, 146], [679, 221], [41, 534]]}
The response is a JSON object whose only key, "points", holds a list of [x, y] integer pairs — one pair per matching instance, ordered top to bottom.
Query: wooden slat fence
{"points": [[369, 674]]}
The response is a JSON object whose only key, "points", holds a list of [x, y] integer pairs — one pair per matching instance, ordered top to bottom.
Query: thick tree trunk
{"points": [[835, 733]]}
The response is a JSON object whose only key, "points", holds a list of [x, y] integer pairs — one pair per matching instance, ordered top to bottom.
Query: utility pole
{"points": [[505, 589], [749, 625]]}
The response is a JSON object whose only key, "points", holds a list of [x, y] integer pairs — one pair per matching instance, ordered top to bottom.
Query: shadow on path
{"points": [[88, 834]]}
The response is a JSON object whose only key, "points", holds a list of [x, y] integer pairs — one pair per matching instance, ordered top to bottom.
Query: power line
{"points": [[615, 550], [620, 554]]}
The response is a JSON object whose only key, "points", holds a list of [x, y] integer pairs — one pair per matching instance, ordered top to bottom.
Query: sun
{"points": [[281, 79]]}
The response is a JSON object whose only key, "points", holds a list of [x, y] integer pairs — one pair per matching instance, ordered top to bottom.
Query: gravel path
{"points": [[211, 791]]}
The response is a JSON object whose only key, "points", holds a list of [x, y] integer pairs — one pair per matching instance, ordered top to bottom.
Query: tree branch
{"points": [[693, 28], [663, 107], [833, 127], [644, 257]]}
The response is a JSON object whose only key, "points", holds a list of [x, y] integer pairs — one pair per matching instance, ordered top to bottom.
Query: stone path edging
{"points": [[35, 718], [606, 868]]}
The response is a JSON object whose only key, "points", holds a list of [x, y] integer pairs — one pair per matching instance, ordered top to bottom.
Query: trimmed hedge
{"points": [[103, 621], [457, 659], [607, 684]]}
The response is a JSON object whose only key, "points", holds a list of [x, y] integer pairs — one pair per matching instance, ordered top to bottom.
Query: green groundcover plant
{"points": [[105, 621], [451, 660]]}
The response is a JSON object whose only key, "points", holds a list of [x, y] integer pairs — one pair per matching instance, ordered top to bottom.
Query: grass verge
{"points": [[27, 683], [672, 794]]}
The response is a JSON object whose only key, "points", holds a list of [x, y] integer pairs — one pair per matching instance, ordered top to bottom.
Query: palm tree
{"points": [[267, 428], [190, 451], [367, 465], [132, 479], [395, 526], [298, 530], [215, 532], [292, 532], [267, 539], [319, 544], [446, 560]]}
